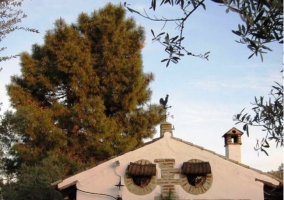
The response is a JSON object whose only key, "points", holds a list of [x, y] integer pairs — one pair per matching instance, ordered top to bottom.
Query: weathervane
{"points": [[164, 104]]}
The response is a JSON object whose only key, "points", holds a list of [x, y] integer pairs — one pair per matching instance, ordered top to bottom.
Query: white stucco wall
{"points": [[233, 151], [230, 180]]}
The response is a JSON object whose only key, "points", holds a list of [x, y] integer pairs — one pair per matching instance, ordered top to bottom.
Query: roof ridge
{"points": [[185, 142], [228, 159]]}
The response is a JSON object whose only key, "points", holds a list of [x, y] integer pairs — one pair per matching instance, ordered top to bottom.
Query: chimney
{"points": [[165, 127], [233, 144]]}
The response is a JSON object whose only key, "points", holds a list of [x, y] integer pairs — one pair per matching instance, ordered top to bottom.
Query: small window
{"points": [[141, 174], [196, 176], [140, 177], [196, 179], [141, 181]]}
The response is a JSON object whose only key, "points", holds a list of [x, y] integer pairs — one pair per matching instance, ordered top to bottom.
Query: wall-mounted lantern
{"points": [[119, 185], [119, 191]]}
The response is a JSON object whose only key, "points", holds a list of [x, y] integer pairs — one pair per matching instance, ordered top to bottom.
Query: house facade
{"points": [[169, 166]]}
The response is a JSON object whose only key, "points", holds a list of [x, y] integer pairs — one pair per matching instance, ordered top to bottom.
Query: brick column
{"points": [[167, 180]]}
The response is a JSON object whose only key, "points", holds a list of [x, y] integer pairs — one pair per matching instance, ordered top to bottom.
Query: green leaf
{"points": [[181, 2], [153, 4], [194, 4], [203, 5], [234, 9], [132, 10], [227, 10], [258, 16], [243, 29], [153, 32], [237, 32], [160, 34], [174, 38], [180, 39], [253, 43], [267, 48], [250, 56], [261, 56], [176, 58], [168, 62], [238, 116], [244, 116], [248, 118], [245, 127], [266, 144], [264, 151]]}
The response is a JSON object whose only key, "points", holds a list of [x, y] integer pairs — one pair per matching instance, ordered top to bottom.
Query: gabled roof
{"points": [[190, 144]]}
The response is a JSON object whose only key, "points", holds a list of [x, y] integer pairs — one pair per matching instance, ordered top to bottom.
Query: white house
{"points": [[170, 166]]}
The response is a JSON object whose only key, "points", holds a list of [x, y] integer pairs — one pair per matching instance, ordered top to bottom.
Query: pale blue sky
{"points": [[204, 95]]}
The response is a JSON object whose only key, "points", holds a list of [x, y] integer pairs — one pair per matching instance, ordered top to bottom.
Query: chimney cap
{"points": [[233, 131]]}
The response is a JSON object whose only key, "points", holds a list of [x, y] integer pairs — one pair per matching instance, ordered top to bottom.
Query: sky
{"points": [[204, 94]]}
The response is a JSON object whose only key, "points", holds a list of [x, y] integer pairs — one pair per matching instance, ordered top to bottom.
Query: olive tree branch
{"points": [[173, 45]]}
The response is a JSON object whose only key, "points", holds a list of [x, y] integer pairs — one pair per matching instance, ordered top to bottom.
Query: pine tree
{"points": [[83, 94]]}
